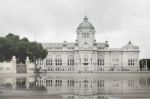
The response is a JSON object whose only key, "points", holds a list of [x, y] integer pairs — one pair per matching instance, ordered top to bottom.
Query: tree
{"points": [[12, 45]]}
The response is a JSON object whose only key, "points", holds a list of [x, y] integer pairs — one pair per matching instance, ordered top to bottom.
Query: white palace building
{"points": [[87, 55]]}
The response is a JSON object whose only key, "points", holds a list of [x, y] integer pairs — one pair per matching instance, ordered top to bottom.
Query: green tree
{"points": [[12, 45]]}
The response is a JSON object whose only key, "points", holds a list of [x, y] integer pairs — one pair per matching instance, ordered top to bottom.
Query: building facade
{"points": [[87, 55]]}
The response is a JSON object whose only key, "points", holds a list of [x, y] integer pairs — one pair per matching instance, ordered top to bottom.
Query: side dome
{"points": [[85, 25]]}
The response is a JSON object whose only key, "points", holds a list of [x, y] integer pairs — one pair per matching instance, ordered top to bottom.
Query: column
{"points": [[13, 61], [27, 64]]}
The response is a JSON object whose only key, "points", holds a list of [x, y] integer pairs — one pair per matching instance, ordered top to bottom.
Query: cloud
{"points": [[117, 21]]}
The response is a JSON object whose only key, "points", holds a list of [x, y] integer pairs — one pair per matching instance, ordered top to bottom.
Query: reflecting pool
{"points": [[75, 86]]}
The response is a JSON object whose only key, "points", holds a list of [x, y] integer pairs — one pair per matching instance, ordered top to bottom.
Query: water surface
{"points": [[75, 86]]}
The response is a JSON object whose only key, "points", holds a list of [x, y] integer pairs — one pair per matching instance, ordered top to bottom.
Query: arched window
{"points": [[85, 59], [58, 60], [70, 60], [100, 60], [115, 60], [49, 61], [131, 61]]}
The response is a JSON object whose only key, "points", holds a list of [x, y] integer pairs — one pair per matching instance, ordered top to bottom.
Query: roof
{"points": [[85, 25], [130, 46]]}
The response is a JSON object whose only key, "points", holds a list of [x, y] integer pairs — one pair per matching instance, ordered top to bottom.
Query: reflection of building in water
{"points": [[87, 55], [79, 85], [90, 85]]}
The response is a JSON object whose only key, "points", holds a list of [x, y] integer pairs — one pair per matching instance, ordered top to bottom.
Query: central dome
{"points": [[85, 25], [85, 32]]}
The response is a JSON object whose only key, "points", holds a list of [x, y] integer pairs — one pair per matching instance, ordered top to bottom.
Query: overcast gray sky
{"points": [[117, 21]]}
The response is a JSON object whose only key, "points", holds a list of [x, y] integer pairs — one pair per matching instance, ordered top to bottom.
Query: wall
{"points": [[6, 67], [10, 67]]}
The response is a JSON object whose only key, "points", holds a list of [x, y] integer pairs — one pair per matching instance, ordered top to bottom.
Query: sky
{"points": [[117, 21]]}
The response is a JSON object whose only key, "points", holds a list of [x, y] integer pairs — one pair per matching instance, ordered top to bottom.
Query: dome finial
{"points": [[85, 18], [129, 42]]}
